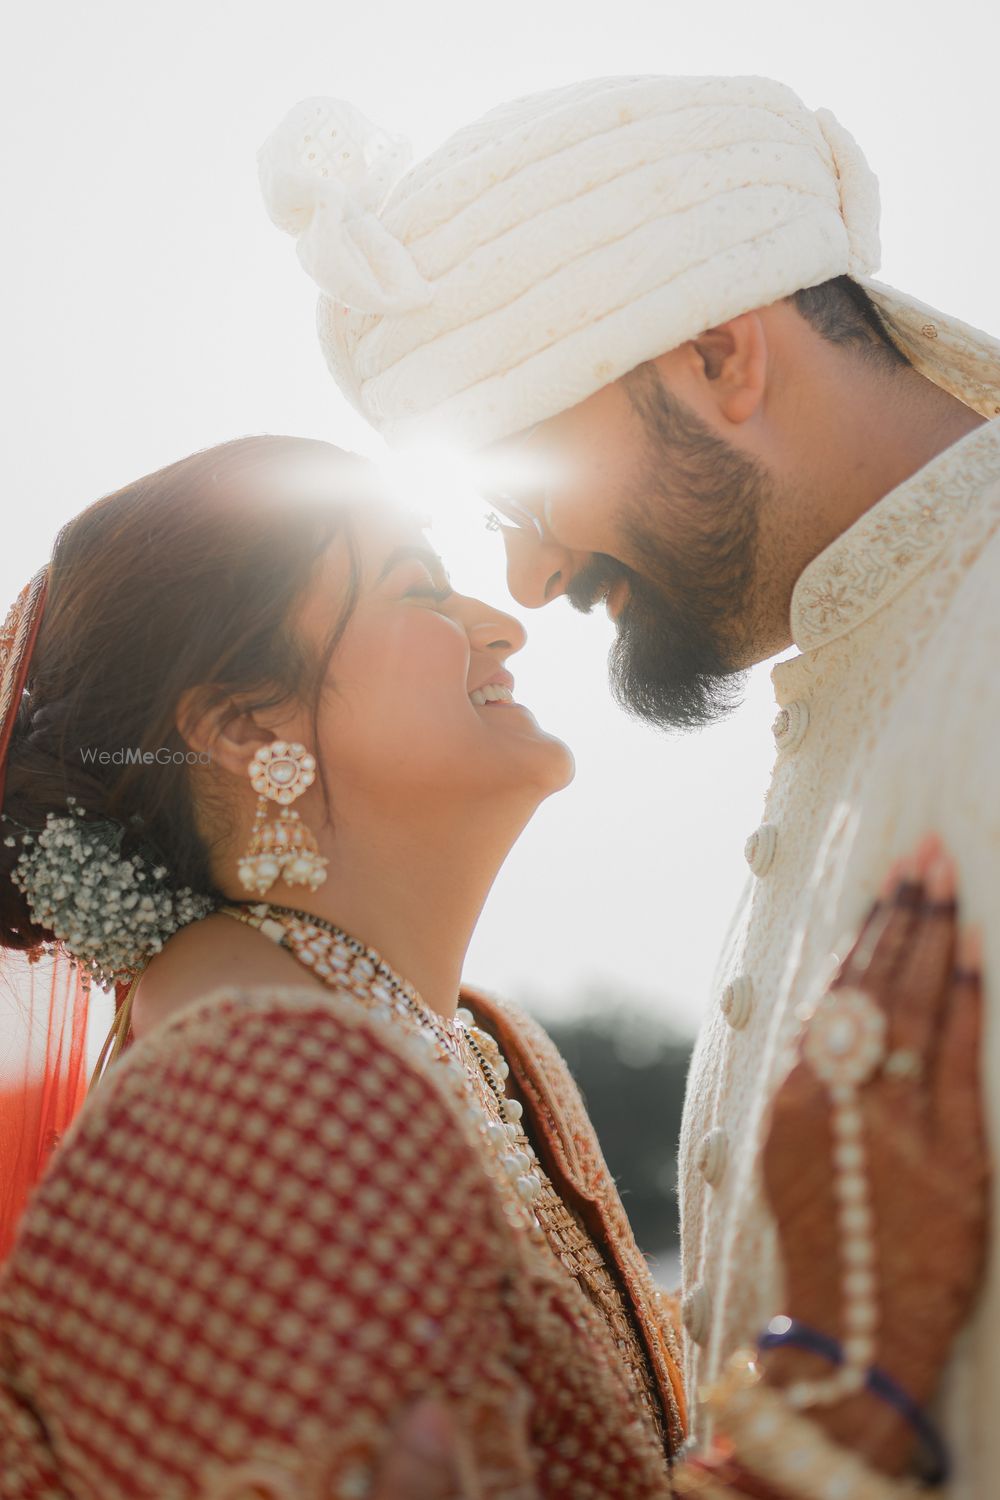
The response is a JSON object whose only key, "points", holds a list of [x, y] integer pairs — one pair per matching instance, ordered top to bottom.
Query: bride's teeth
{"points": [[491, 692]]}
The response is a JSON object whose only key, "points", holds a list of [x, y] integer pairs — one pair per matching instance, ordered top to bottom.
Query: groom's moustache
{"points": [[589, 586]]}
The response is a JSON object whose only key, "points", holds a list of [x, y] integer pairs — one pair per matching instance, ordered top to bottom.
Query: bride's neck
{"points": [[412, 891]]}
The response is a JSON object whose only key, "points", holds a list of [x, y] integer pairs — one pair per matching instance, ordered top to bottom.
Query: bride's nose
{"points": [[492, 630]]}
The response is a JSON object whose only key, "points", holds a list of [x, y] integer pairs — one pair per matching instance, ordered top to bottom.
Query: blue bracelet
{"points": [[788, 1333]]}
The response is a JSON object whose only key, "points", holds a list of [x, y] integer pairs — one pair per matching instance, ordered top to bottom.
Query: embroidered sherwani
{"points": [[888, 727], [277, 1224]]}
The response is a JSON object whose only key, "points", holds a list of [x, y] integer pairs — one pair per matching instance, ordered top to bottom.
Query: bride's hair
{"points": [[185, 579]]}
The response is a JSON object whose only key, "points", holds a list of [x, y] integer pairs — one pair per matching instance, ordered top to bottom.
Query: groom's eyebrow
{"points": [[426, 555]]}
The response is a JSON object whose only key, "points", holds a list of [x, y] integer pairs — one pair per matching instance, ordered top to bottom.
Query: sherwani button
{"points": [[789, 728], [759, 848], [737, 1002], [713, 1153], [695, 1313]]}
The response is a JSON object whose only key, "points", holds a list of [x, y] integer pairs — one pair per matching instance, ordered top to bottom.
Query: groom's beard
{"points": [[684, 635]]}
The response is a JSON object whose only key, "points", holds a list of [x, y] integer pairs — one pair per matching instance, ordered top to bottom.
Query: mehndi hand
{"points": [[927, 1163]]}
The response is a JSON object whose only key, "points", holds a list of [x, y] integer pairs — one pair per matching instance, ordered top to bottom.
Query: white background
{"points": [[151, 309]]}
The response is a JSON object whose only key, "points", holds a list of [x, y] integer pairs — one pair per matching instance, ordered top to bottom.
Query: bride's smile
{"points": [[395, 684], [413, 687]]}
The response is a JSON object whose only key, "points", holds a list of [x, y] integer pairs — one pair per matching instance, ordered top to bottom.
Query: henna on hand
{"points": [[927, 1158]]}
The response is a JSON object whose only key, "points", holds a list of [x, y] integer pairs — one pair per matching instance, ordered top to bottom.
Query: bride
{"points": [[262, 764]]}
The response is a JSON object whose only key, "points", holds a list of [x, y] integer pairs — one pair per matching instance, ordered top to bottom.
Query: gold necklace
{"points": [[340, 960], [475, 1060]]}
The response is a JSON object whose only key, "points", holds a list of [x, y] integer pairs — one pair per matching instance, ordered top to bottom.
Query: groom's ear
{"points": [[733, 360], [722, 373]]}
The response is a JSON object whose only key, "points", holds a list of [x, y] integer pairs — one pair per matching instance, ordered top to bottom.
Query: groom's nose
{"points": [[538, 568]]}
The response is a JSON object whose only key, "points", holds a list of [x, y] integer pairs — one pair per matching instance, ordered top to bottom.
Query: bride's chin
{"points": [[567, 763], [554, 766]]}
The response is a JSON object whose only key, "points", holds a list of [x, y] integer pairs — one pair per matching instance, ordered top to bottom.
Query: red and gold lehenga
{"points": [[280, 1219]]}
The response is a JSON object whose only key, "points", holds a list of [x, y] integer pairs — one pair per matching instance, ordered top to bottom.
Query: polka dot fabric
{"points": [[268, 1231]]}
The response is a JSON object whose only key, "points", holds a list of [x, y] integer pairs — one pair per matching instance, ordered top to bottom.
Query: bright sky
{"points": [[150, 309]]}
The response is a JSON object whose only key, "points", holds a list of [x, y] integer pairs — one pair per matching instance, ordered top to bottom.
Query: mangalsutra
{"points": [[343, 962], [474, 1065]]}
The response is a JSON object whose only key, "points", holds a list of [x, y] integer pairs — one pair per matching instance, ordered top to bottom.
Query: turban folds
{"points": [[550, 247]]}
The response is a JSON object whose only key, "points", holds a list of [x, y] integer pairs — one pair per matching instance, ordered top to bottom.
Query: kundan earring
{"points": [[280, 772]]}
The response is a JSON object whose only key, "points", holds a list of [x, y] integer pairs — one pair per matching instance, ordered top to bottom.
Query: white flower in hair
{"points": [[325, 173], [109, 912]]}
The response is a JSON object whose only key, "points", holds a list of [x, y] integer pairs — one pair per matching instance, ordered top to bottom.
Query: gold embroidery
{"points": [[875, 558], [13, 633], [562, 1118], [564, 1232]]}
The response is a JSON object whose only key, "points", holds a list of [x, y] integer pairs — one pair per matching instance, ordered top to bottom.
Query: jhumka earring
{"points": [[280, 772]]}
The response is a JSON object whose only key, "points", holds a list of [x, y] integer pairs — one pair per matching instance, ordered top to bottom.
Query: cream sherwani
{"points": [[540, 254], [888, 726]]}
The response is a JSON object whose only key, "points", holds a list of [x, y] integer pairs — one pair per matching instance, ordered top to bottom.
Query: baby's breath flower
{"points": [[109, 912]]}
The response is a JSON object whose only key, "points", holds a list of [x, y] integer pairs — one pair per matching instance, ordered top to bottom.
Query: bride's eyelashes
{"points": [[427, 588], [437, 596]]}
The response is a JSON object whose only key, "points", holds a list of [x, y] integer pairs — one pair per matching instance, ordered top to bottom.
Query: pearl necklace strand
{"points": [[341, 961], [476, 1066], [508, 1137]]}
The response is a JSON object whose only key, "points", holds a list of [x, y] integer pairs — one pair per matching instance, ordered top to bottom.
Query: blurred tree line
{"points": [[631, 1069]]}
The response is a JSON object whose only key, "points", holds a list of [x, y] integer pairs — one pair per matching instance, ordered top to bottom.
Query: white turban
{"points": [[565, 238]]}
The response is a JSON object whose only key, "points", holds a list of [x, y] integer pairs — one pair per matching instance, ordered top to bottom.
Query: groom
{"points": [[649, 301]]}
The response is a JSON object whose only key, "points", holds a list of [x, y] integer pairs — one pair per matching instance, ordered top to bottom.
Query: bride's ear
{"points": [[213, 724]]}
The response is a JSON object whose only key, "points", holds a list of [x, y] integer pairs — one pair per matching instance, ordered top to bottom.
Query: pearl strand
{"points": [[337, 958], [844, 1043], [496, 1070]]}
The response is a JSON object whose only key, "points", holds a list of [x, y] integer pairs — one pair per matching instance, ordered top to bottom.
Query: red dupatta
{"points": [[44, 995]]}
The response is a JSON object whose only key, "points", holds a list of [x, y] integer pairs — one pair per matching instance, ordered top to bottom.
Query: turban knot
{"points": [[325, 173]]}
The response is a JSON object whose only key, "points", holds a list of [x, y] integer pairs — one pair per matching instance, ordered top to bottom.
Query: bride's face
{"points": [[401, 714]]}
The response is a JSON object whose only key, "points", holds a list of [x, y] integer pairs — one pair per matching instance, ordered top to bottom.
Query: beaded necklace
{"points": [[342, 961], [474, 1059]]}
